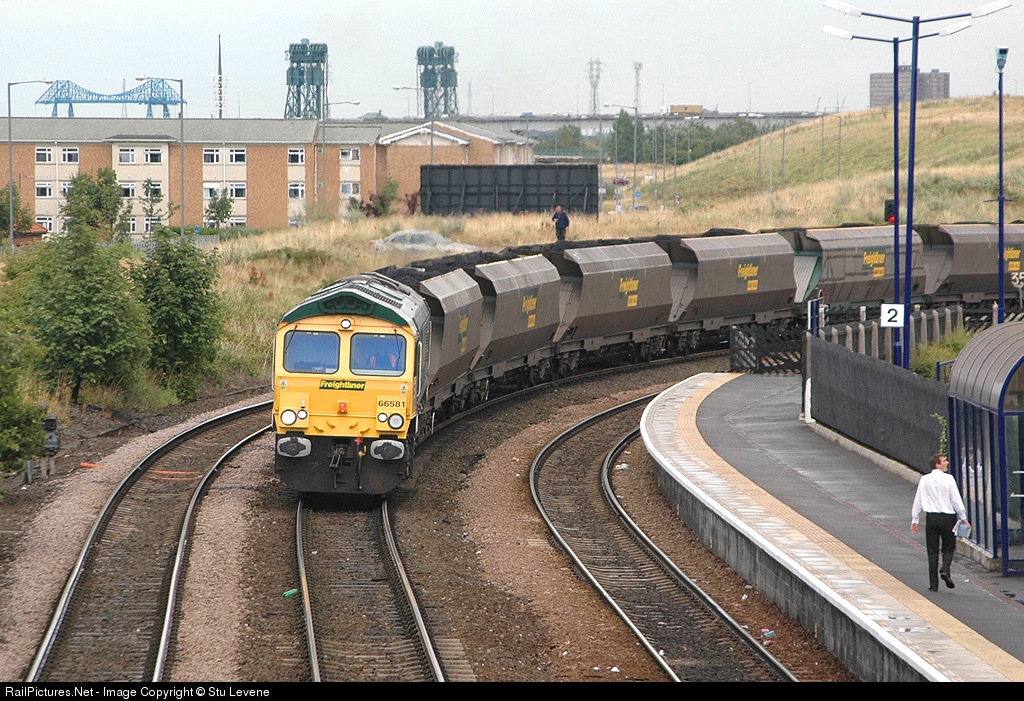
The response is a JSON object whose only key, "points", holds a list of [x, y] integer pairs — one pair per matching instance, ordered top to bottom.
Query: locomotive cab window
{"points": [[312, 351], [378, 354]]}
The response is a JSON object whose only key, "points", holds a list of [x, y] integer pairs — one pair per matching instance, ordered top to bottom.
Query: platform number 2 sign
{"points": [[892, 315]]}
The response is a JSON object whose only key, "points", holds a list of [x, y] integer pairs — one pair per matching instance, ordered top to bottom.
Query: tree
{"points": [[622, 139], [380, 202], [98, 203], [219, 210], [22, 216], [177, 281], [85, 312], [21, 434]]}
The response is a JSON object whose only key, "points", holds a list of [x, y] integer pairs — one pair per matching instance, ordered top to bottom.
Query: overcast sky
{"points": [[514, 57]]}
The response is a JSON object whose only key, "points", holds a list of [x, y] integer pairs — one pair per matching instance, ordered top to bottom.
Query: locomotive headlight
{"points": [[346, 324], [303, 414], [288, 417], [382, 417], [396, 421]]}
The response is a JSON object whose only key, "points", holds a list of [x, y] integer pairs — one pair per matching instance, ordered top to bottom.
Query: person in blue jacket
{"points": [[561, 220]]}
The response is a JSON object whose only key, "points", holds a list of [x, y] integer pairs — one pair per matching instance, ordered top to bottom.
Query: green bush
{"points": [[177, 283], [85, 312], [925, 358], [21, 431]]}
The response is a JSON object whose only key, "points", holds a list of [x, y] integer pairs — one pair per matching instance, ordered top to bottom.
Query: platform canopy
{"points": [[987, 367]]}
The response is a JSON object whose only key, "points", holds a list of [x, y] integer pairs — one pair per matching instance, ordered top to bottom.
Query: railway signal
{"points": [[890, 211]]}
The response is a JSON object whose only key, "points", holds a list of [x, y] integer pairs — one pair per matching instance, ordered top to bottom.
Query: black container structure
{"points": [[513, 188], [986, 440]]}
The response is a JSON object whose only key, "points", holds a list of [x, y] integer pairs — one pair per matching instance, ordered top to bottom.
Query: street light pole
{"points": [[916, 36], [1000, 64], [636, 122], [323, 149], [10, 155]]}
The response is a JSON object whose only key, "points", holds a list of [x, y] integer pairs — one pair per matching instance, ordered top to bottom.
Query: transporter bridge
{"points": [[152, 92]]}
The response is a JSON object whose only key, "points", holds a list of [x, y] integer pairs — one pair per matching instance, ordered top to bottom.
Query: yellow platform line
{"points": [[744, 496]]}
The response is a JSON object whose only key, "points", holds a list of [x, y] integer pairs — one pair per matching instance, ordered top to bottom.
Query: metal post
{"points": [[1000, 62], [10, 168], [908, 253], [897, 353]]}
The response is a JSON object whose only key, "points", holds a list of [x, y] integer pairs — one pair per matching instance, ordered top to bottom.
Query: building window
{"points": [[349, 154], [44, 155], [69, 155], [126, 155], [154, 155], [211, 155], [236, 155], [296, 156], [65, 188], [350, 188], [44, 189], [128, 190], [155, 190], [211, 190], [236, 191], [296, 191], [236, 221], [45, 222], [152, 223], [132, 227]]}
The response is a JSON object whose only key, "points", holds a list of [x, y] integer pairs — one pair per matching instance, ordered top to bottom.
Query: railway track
{"points": [[114, 619], [362, 619], [691, 638]]}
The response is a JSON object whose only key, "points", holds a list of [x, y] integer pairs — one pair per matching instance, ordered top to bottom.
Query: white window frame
{"points": [[44, 154], [69, 154], [348, 154], [125, 155], [153, 155], [236, 155], [211, 156], [296, 156], [65, 187], [350, 187], [209, 188], [44, 189], [127, 190], [155, 190], [236, 191], [297, 191], [236, 221], [46, 223], [152, 223], [132, 226]]}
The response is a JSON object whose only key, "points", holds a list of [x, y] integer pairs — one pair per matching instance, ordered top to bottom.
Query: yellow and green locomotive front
{"points": [[347, 367]]}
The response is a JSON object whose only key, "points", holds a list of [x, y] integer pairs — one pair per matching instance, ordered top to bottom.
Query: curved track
{"points": [[114, 619], [362, 619], [674, 621]]}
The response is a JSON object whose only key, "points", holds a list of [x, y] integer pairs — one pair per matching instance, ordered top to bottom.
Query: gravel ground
{"points": [[484, 567]]}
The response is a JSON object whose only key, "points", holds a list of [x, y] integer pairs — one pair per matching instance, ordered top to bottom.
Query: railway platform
{"points": [[824, 531]]}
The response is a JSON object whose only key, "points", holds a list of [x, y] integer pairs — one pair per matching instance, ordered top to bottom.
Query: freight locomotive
{"points": [[369, 364]]}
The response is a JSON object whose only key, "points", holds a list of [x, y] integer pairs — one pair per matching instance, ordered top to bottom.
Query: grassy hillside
{"points": [[956, 173]]}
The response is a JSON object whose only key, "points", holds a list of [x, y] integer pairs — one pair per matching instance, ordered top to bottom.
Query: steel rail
{"points": [[103, 518], [188, 521], [580, 567], [670, 567], [421, 627]]}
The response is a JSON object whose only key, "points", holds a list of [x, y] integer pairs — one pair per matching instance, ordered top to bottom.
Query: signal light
{"points": [[890, 211]]}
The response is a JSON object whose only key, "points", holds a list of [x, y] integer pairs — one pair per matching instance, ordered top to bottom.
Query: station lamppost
{"points": [[916, 21], [895, 41], [1000, 64], [636, 122], [181, 135], [10, 154]]}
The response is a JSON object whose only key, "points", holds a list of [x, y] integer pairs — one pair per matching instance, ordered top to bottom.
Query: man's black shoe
{"points": [[947, 579], [935, 588]]}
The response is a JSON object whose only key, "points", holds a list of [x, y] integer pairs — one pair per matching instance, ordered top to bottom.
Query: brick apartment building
{"points": [[277, 171]]}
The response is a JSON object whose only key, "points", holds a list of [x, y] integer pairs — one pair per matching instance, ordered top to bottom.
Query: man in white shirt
{"points": [[938, 496]]}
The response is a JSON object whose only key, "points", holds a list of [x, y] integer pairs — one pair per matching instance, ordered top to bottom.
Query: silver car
{"points": [[420, 241]]}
